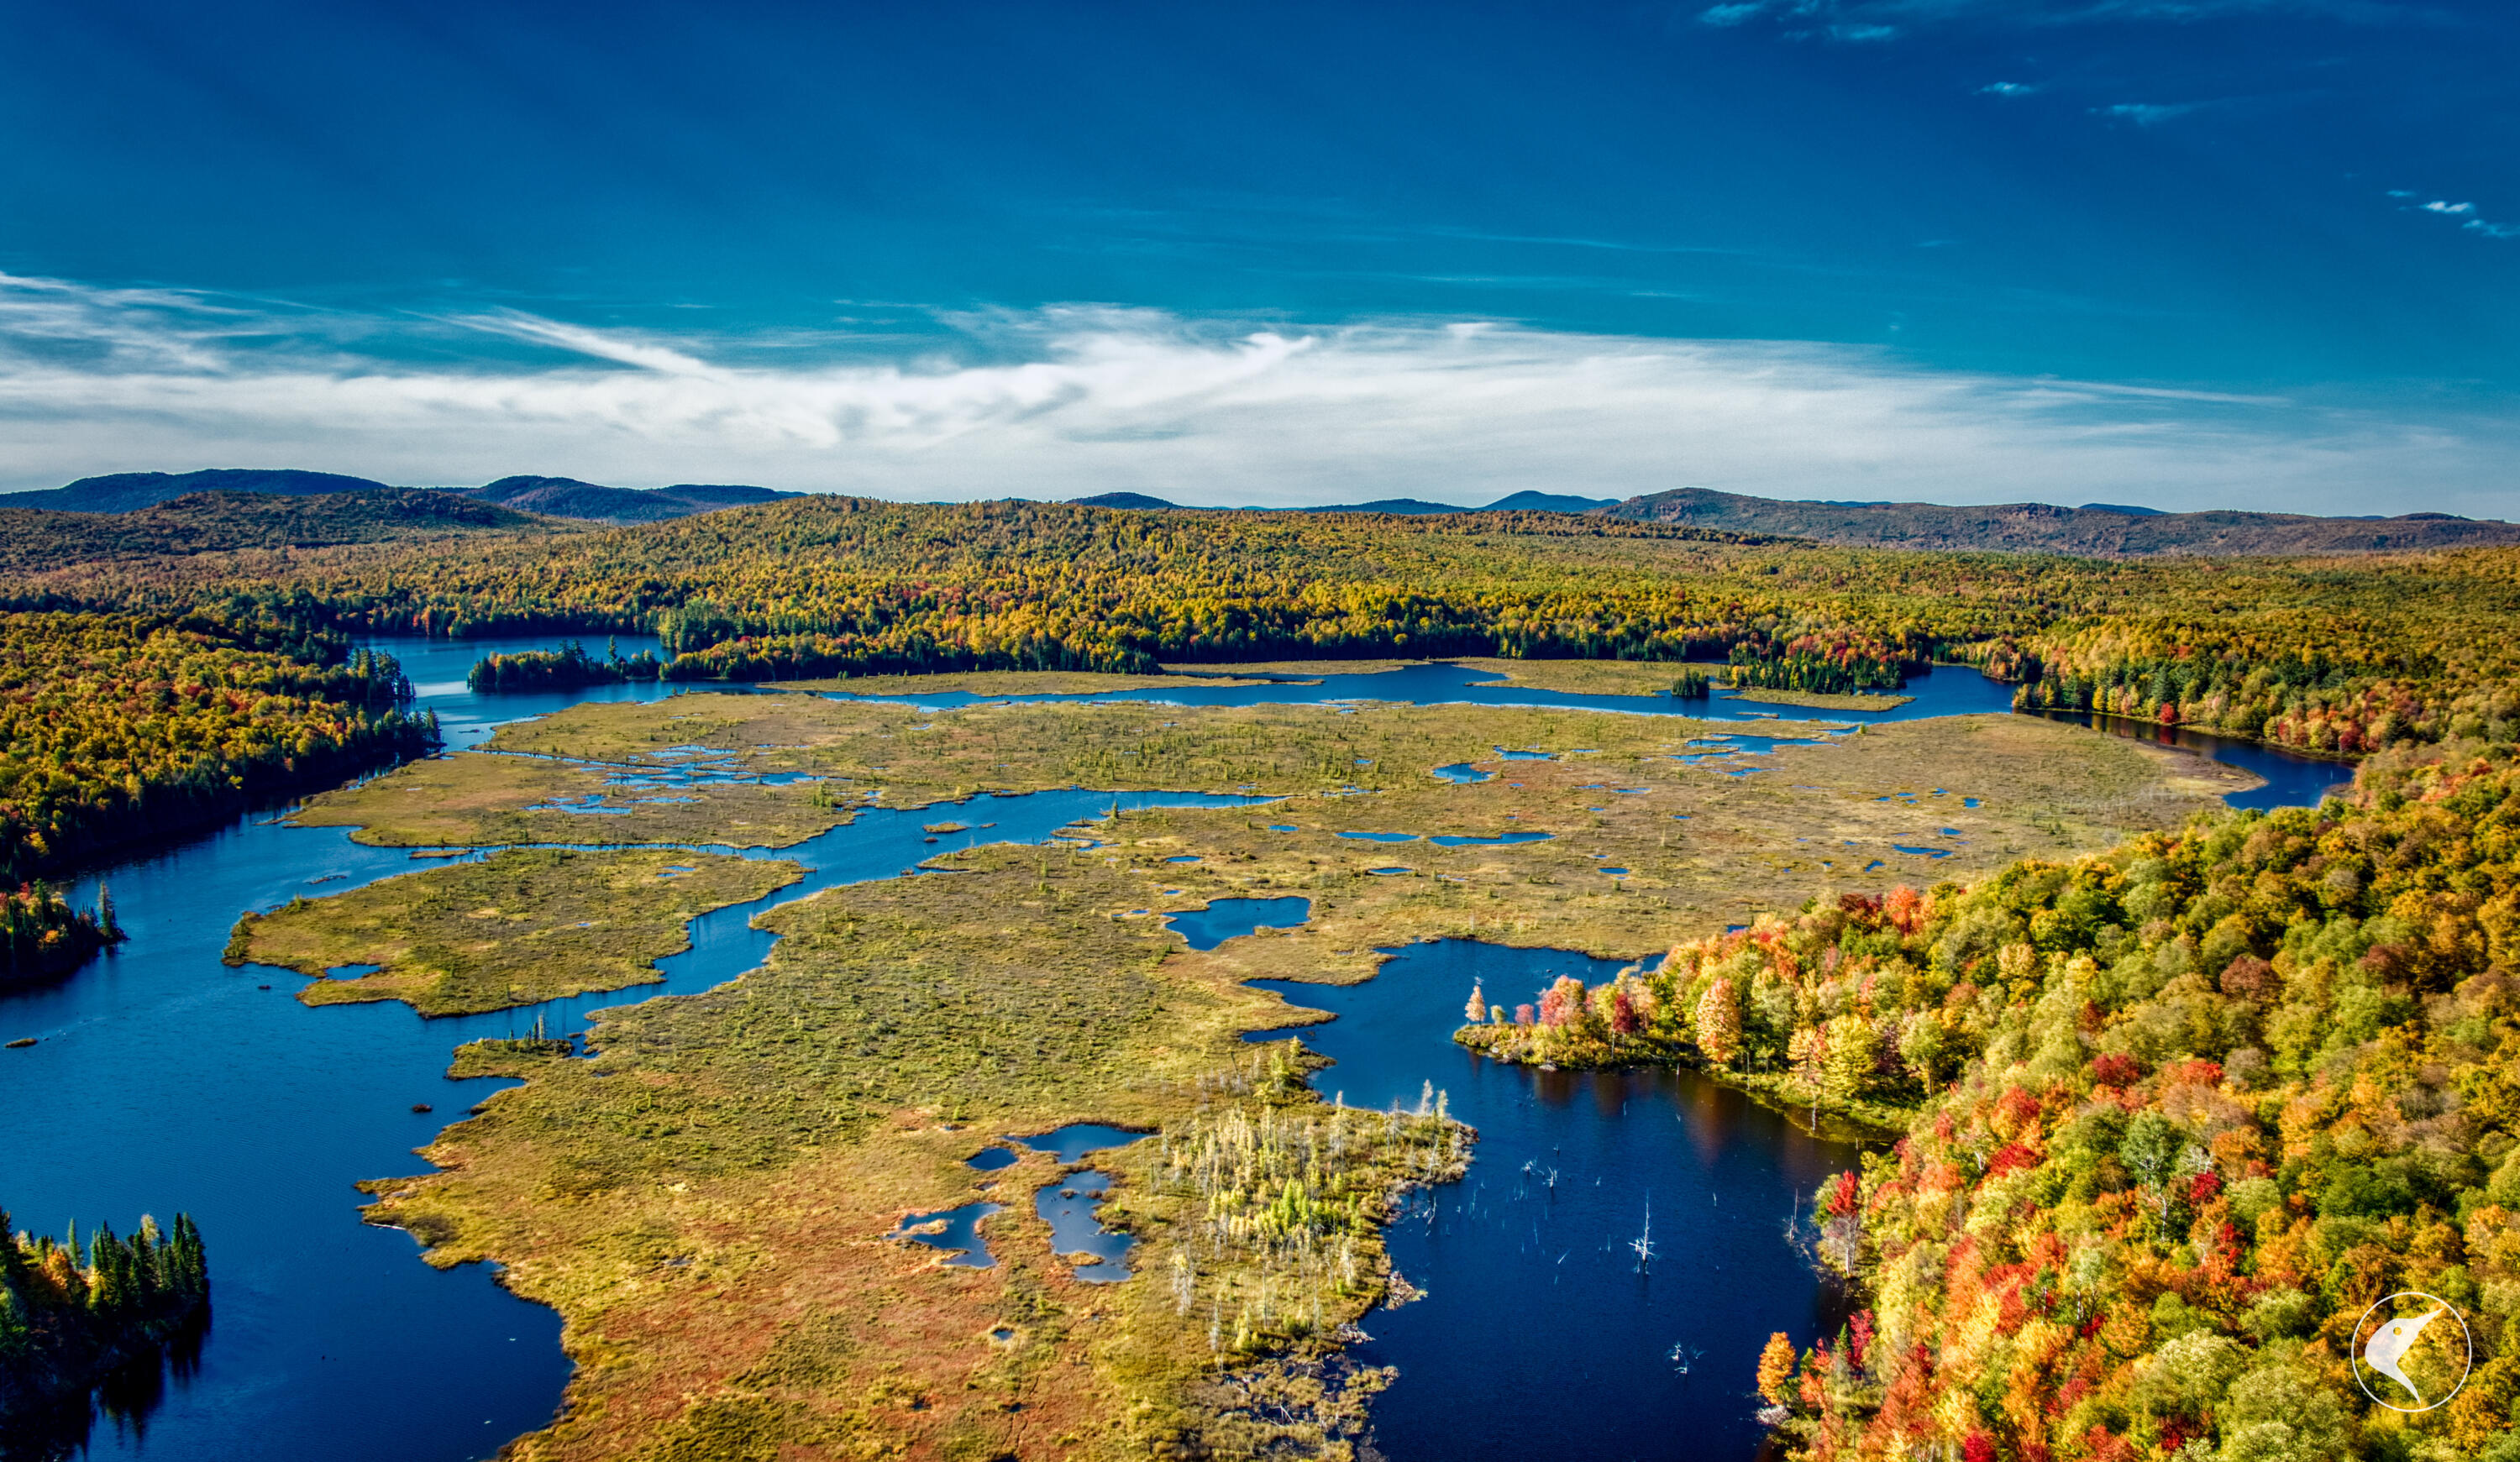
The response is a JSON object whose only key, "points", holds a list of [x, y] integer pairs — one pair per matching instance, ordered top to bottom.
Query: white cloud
{"points": [[2006, 89], [2149, 113], [2464, 211], [1065, 402]]}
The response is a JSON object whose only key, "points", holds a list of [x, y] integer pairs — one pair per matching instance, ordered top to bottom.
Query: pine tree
{"points": [[104, 921], [1476, 1011]]}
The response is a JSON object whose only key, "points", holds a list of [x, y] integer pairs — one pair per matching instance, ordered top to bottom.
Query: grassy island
{"points": [[1821, 700], [521, 926], [708, 1202], [711, 1202]]}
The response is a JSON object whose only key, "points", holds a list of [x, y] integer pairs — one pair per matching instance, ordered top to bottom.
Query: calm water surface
{"points": [[164, 1079], [1540, 1334]]}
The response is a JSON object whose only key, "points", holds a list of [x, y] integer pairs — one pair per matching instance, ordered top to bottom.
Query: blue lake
{"points": [[2291, 781], [164, 1079], [1531, 1288]]}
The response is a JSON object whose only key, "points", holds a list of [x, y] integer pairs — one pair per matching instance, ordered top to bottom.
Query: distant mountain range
{"points": [[124, 492], [552, 497], [566, 497], [1521, 502], [227, 517], [2096, 529], [38, 538]]}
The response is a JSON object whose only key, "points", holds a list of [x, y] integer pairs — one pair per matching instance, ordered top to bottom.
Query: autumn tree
{"points": [[1718, 1023], [1776, 1370]]}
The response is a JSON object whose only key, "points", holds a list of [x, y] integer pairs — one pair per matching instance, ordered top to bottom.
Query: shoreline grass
{"points": [[519, 927], [706, 1200]]}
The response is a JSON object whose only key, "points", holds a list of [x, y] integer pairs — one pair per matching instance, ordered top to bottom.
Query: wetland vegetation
{"points": [[521, 926], [2176, 1091], [728, 1167]]}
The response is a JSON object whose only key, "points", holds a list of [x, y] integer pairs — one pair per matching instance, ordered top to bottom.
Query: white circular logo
{"points": [[2403, 1349]]}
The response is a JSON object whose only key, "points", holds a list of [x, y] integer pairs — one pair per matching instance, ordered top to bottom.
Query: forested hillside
{"points": [[215, 521], [2044, 527], [2328, 655], [119, 727], [2181, 1113]]}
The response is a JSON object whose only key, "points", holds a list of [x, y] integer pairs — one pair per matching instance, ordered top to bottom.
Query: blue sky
{"points": [[2184, 252]]}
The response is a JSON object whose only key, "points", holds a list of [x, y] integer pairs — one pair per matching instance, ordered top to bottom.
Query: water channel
{"points": [[161, 1078]]}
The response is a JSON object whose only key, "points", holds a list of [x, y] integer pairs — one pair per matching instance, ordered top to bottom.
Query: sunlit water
{"points": [[164, 1079]]}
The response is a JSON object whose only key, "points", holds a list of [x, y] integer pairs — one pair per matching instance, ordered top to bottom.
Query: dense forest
{"points": [[33, 538], [2328, 656], [561, 669], [119, 727], [41, 934], [2172, 1119], [70, 1311]]}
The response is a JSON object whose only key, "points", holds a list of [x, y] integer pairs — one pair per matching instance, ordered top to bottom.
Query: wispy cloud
{"points": [[1882, 20], [2006, 89], [2149, 113], [2464, 211], [1064, 401]]}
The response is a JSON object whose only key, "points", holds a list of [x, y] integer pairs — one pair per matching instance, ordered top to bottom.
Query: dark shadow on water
{"points": [[122, 1402]]}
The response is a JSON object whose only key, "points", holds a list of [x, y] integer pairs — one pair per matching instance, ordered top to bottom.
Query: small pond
{"points": [[1501, 840], [1231, 918], [956, 1230], [1076, 1234]]}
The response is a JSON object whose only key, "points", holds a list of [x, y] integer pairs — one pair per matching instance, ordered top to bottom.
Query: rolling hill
{"points": [[124, 492], [551, 497], [566, 497], [1521, 502], [211, 521], [2096, 530]]}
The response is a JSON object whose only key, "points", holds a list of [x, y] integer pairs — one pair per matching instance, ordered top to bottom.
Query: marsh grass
{"points": [[1008, 682], [1823, 700], [478, 799], [521, 926], [726, 1168], [706, 1200]]}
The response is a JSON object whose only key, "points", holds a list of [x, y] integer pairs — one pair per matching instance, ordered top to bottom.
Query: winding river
{"points": [[163, 1078]]}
